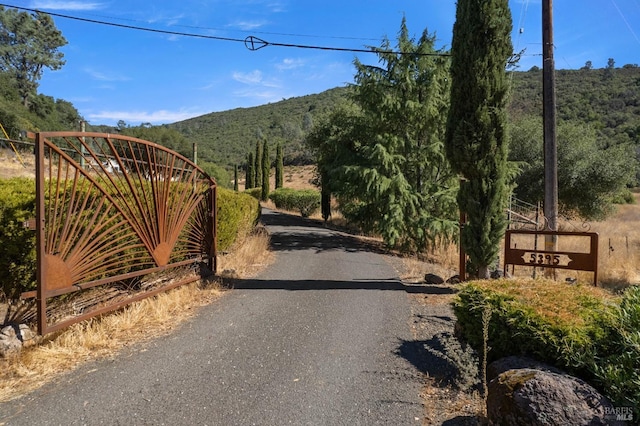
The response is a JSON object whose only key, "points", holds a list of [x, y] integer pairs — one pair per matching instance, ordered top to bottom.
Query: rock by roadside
{"points": [[13, 338], [539, 397]]}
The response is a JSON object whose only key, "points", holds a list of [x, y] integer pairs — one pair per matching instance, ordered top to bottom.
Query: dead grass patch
{"points": [[11, 166], [248, 257], [441, 261]]}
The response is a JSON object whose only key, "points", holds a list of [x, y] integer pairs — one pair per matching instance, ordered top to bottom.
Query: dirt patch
{"points": [[16, 164]]}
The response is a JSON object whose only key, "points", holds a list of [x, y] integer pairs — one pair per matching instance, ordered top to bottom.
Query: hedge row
{"points": [[306, 201], [237, 214], [17, 243], [583, 330]]}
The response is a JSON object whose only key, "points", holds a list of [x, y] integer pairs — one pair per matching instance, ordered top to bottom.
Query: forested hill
{"points": [[607, 99], [227, 137]]}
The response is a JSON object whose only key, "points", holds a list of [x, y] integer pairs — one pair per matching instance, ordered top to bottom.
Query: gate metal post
{"points": [[213, 206], [41, 273]]}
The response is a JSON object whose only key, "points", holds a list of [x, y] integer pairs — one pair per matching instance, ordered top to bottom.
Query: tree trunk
{"points": [[483, 272]]}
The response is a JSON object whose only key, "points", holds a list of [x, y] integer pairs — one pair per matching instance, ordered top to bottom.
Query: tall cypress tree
{"points": [[476, 138], [258, 164], [266, 166], [279, 166], [235, 178], [250, 182]]}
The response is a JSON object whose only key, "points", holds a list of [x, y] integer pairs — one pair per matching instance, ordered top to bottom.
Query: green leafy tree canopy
{"points": [[28, 44], [383, 157]]}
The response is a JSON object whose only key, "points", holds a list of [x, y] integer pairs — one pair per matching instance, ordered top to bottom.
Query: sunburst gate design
{"points": [[112, 208]]}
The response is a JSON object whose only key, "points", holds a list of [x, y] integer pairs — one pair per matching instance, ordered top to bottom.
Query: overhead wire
{"points": [[625, 21], [196, 27], [251, 42]]}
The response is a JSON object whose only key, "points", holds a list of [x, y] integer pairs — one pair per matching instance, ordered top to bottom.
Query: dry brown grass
{"points": [[10, 165], [295, 177], [619, 246], [248, 257], [441, 261], [105, 336]]}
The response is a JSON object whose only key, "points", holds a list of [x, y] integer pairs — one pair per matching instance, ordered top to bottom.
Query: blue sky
{"points": [[116, 74]]}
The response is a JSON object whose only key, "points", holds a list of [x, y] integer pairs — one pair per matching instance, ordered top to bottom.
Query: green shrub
{"points": [[254, 192], [306, 201], [237, 215], [17, 243], [581, 329], [617, 362]]}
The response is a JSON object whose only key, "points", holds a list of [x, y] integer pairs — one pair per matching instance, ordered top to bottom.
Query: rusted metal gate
{"points": [[116, 212]]}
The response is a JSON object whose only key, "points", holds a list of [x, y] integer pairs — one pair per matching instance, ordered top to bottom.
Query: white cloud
{"points": [[65, 5], [247, 25], [289, 64], [105, 76], [253, 77], [135, 117]]}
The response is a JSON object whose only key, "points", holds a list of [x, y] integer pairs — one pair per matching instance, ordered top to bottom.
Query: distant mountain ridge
{"points": [[607, 99], [227, 137]]}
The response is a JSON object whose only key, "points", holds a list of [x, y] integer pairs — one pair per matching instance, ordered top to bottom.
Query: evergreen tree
{"points": [[28, 44], [476, 140], [384, 159], [258, 164], [279, 166], [266, 167], [250, 176], [235, 178], [325, 197]]}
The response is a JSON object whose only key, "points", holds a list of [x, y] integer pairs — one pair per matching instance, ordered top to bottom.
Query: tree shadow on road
{"points": [[289, 232], [307, 285]]}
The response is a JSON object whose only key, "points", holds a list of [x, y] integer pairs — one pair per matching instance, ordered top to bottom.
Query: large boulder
{"points": [[515, 363], [528, 396]]}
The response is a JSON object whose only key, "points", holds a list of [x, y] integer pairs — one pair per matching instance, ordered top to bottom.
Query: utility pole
{"points": [[549, 114], [549, 117], [195, 153]]}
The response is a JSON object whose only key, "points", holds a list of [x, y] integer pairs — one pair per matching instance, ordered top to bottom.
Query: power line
{"points": [[625, 21], [246, 31], [251, 42]]}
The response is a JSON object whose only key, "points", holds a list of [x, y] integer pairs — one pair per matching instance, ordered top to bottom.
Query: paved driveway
{"points": [[314, 340]]}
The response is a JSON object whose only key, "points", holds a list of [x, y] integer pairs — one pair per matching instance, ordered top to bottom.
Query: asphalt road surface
{"points": [[314, 340]]}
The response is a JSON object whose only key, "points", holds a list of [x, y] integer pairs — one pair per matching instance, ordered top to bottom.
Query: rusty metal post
{"points": [[594, 252], [213, 254], [41, 273]]}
